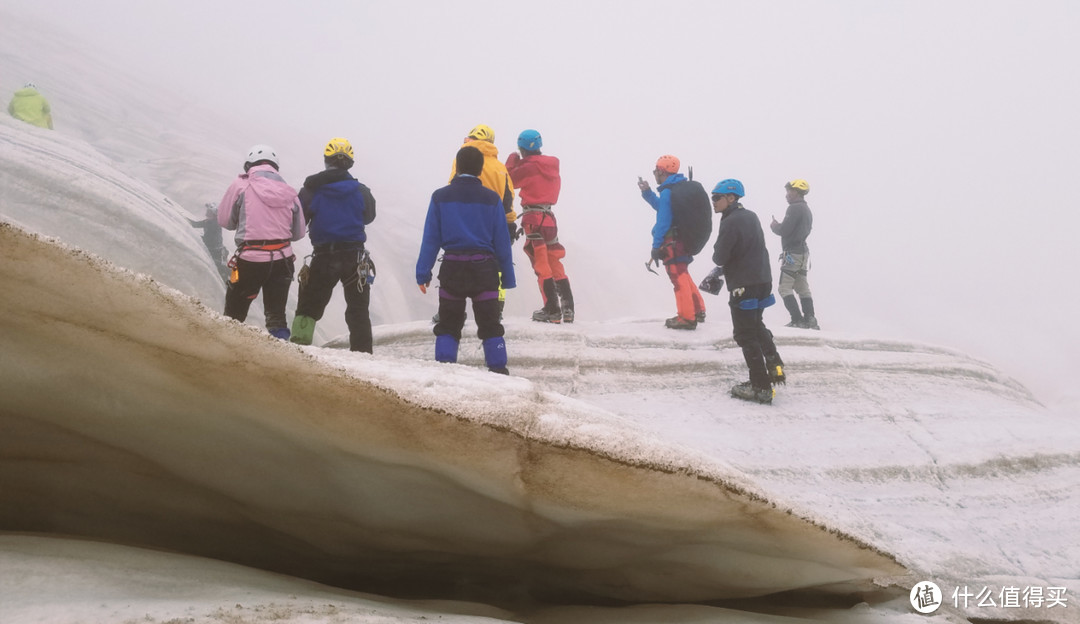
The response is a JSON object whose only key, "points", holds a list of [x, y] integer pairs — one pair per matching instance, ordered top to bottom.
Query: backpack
{"points": [[691, 215]]}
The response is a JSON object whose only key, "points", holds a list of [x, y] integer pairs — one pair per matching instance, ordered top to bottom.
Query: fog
{"points": [[938, 138]]}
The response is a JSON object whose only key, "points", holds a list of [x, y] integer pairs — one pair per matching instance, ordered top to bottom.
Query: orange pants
{"points": [[542, 246], [688, 301]]}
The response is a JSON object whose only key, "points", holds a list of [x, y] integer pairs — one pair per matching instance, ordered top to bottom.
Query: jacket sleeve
{"points": [[519, 169], [305, 195], [508, 200], [369, 204], [228, 215], [663, 216], [787, 226], [298, 227], [430, 244], [724, 246], [504, 252]]}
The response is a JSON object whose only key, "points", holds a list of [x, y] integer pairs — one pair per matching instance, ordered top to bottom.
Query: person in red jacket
{"points": [[537, 175]]}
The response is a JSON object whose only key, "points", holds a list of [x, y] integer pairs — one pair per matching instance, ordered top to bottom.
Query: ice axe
{"points": [[649, 265]]}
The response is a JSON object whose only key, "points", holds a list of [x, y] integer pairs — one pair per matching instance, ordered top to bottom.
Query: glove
{"points": [[513, 229], [657, 254], [713, 282]]}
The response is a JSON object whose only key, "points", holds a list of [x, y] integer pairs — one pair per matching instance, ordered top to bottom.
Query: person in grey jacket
{"points": [[742, 258], [795, 259]]}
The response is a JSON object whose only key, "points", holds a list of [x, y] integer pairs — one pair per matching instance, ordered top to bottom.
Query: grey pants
{"points": [[793, 269]]}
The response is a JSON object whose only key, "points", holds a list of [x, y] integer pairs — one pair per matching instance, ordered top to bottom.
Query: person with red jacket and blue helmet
{"points": [[537, 175], [337, 208], [265, 212], [467, 221], [667, 247], [741, 256]]}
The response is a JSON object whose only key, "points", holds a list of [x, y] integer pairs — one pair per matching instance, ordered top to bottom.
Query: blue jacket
{"points": [[662, 205], [336, 207], [465, 217]]}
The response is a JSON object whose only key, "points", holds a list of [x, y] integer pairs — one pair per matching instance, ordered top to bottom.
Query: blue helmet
{"points": [[530, 140], [729, 186]]}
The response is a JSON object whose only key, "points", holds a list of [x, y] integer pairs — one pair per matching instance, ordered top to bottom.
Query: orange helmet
{"points": [[668, 163]]}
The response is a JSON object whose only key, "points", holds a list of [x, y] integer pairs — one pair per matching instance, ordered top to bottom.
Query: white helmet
{"points": [[261, 152]]}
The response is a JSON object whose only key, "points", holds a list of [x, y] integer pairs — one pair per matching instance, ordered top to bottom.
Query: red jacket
{"points": [[537, 176]]}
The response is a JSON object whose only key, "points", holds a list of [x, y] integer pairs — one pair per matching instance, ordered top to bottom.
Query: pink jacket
{"points": [[261, 206]]}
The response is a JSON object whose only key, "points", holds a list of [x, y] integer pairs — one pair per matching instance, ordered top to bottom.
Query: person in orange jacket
{"points": [[537, 175]]}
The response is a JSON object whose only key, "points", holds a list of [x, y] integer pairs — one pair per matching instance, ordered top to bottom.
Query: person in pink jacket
{"points": [[266, 214]]}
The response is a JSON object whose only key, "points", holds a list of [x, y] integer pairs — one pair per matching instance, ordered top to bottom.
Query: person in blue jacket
{"points": [[337, 208], [467, 221], [669, 245]]}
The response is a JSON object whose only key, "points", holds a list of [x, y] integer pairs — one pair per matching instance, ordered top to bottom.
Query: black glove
{"points": [[513, 229], [657, 254], [713, 282]]}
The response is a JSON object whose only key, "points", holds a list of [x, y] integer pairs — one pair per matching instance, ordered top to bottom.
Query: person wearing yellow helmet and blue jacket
{"points": [[337, 208]]}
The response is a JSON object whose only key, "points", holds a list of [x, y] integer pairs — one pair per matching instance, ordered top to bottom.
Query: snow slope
{"points": [[289, 465]]}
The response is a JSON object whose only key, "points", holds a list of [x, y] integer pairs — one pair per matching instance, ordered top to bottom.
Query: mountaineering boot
{"points": [[566, 300], [792, 305], [550, 313], [699, 317], [809, 318], [678, 322], [303, 329], [281, 333], [446, 349], [495, 355], [775, 367], [747, 392]]}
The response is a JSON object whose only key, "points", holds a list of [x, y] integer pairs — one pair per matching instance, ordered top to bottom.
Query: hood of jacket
{"points": [[487, 149], [269, 187]]}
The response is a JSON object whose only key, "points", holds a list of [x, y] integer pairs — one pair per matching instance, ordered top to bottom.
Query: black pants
{"points": [[329, 268], [273, 278], [473, 279], [750, 332]]}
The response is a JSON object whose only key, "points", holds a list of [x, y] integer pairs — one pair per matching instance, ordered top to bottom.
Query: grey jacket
{"points": [[795, 228]]}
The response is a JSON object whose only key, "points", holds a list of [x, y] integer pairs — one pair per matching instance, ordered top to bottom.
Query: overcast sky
{"points": [[939, 137]]}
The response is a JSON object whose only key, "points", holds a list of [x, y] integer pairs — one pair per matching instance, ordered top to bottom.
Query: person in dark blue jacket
{"points": [[337, 208], [467, 221]]}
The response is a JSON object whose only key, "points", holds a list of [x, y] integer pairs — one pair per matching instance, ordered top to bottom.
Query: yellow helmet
{"points": [[482, 133], [338, 145], [799, 185]]}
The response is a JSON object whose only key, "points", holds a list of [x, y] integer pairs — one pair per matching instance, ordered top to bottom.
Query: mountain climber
{"points": [[30, 106], [537, 175], [496, 178], [337, 207], [265, 212], [468, 222], [683, 222], [212, 239], [741, 255], [795, 258]]}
